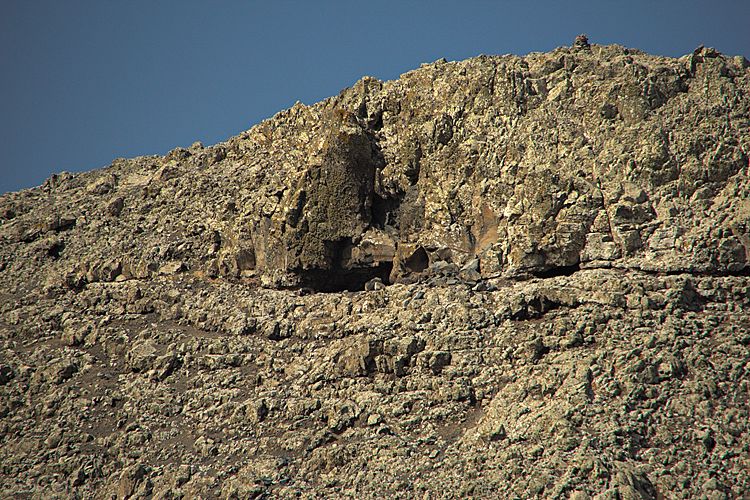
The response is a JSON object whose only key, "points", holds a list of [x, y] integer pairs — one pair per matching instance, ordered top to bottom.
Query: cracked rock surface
{"points": [[508, 274]]}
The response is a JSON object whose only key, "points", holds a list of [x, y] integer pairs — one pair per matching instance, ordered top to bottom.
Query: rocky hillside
{"points": [[505, 276]]}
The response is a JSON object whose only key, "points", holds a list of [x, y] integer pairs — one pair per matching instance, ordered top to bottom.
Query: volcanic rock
{"points": [[525, 275]]}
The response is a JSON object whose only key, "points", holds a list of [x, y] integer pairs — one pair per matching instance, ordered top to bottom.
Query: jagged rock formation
{"points": [[565, 236]]}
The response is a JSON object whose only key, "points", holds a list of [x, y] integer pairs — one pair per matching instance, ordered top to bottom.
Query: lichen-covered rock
{"points": [[536, 277]]}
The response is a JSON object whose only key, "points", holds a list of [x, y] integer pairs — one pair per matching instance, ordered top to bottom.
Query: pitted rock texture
{"points": [[536, 282]]}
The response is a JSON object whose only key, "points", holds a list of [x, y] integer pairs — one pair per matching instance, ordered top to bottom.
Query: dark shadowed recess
{"points": [[558, 271], [344, 280]]}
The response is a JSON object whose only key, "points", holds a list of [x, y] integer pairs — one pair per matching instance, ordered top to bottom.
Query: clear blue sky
{"points": [[84, 82]]}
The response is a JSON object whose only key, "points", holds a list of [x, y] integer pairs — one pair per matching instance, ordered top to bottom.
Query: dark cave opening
{"points": [[343, 275], [344, 280]]}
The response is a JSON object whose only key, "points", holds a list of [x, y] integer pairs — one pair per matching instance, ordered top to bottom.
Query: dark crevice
{"points": [[375, 123], [384, 211], [56, 249], [572, 269], [557, 271], [744, 272], [534, 308]]}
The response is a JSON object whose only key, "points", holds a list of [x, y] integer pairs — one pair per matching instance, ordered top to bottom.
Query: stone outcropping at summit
{"points": [[524, 274]]}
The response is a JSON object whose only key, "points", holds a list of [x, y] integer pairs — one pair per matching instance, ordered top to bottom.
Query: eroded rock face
{"points": [[598, 156], [587, 158], [324, 210], [548, 256]]}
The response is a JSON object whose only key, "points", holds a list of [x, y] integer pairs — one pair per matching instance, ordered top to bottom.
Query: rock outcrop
{"points": [[522, 274]]}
